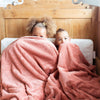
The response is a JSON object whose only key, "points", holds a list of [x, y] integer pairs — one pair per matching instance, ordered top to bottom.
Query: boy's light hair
{"points": [[61, 30]]}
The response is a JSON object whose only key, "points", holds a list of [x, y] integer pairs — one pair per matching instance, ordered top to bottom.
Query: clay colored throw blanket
{"points": [[25, 66], [32, 70], [77, 79]]}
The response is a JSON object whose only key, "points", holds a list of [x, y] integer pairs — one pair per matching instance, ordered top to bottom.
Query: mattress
{"points": [[85, 45]]}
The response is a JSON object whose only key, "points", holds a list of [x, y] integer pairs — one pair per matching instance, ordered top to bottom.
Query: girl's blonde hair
{"points": [[45, 22]]}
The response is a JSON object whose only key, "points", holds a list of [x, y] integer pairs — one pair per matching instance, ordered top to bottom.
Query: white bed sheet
{"points": [[85, 45]]}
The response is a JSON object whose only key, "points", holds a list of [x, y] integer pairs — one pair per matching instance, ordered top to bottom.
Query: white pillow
{"points": [[85, 45]]}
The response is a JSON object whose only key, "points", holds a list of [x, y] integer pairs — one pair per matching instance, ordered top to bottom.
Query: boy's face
{"points": [[38, 31], [61, 37]]}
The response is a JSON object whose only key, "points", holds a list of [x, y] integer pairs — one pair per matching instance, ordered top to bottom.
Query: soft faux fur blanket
{"points": [[25, 67], [31, 69], [77, 79]]}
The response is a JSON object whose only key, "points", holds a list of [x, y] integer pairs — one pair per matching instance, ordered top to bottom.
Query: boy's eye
{"points": [[59, 39]]}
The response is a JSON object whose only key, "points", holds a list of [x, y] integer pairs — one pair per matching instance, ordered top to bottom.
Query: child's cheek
{"points": [[59, 42]]}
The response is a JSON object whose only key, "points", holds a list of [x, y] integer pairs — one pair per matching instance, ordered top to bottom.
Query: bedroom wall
{"points": [[78, 20]]}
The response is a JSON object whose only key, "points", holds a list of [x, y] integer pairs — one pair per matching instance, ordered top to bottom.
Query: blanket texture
{"points": [[25, 67], [31, 69], [77, 79]]}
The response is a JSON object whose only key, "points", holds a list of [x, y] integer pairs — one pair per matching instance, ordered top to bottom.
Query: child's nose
{"points": [[63, 40]]}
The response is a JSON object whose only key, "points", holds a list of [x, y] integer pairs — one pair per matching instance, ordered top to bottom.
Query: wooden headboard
{"points": [[78, 20]]}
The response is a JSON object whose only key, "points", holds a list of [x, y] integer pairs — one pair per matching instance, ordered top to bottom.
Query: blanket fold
{"points": [[25, 67], [31, 69], [76, 75]]}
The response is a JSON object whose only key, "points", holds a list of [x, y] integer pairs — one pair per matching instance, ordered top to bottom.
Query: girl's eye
{"points": [[35, 35], [41, 36], [65, 38]]}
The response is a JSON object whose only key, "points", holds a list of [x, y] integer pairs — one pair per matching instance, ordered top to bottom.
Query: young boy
{"points": [[61, 36]]}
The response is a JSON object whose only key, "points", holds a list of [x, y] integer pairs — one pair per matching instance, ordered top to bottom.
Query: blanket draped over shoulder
{"points": [[25, 66], [31, 69], [77, 79]]}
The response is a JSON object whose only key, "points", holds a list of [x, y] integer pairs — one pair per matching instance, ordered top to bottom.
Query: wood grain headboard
{"points": [[78, 20]]}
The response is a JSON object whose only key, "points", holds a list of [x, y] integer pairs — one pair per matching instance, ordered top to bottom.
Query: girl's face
{"points": [[38, 31], [61, 37]]}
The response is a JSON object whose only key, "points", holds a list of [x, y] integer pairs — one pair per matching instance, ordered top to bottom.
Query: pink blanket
{"points": [[25, 67], [32, 70], [77, 79]]}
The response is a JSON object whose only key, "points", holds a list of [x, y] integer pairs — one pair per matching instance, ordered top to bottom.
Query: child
{"points": [[41, 27], [39, 30], [61, 36]]}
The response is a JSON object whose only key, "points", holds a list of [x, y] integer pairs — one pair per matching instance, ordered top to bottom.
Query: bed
{"points": [[85, 45], [33, 69]]}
